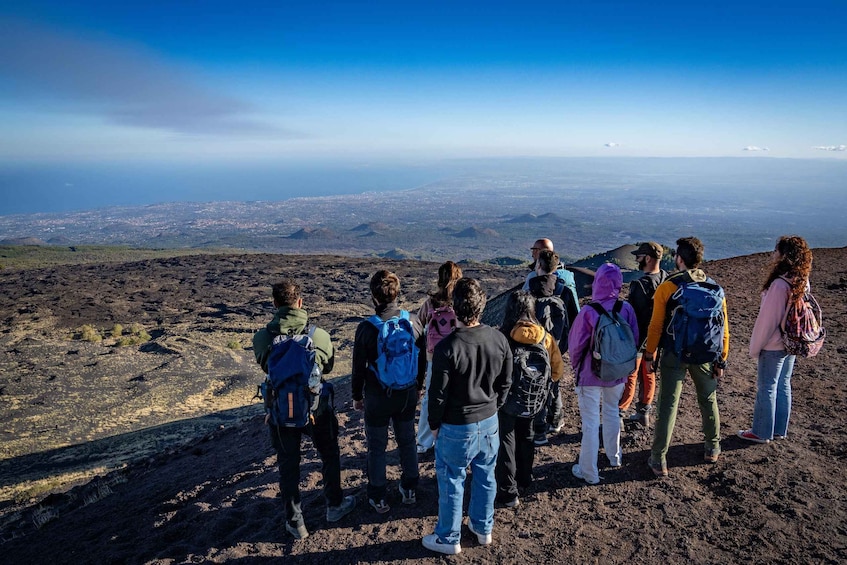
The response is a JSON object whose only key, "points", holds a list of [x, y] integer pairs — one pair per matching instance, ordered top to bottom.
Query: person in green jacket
{"points": [[291, 318]]}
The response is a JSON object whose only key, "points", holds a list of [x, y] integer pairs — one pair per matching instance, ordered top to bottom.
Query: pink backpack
{"points": [[441, 324], [802, 330]]}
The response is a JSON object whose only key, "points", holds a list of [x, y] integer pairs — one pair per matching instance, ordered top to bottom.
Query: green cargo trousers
{"points": [[672, 375]]}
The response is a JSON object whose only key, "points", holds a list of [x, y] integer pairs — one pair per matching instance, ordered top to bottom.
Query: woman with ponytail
{"points": [[438, 317]]}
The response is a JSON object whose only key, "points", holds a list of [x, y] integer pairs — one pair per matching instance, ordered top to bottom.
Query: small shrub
{"points": [[117, 331], [139, 332], [90, 333], [234, 344]]}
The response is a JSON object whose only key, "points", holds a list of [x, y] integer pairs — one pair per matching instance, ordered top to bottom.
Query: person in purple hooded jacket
{"points": [[596, 397]]}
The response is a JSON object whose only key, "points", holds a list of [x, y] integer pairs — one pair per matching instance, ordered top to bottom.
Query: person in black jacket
{"points": [[641, 291], [471, 376], [383, 405]]}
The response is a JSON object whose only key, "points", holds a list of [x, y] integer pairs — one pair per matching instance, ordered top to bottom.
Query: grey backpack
{"points": [[613, 348]]}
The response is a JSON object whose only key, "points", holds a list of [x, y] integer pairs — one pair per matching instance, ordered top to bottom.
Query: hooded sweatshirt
{"points": [[605, 290], [294, 320], [527, 332]]}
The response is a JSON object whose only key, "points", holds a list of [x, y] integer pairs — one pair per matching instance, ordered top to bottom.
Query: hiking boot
{"points": [[556, 428], [750, 436], [540, 439], [712, 455], [659, 469], [408, 495], [511, 503], [379, 505], [336, 513], [299, 531], [483, 539], [432, 543]]}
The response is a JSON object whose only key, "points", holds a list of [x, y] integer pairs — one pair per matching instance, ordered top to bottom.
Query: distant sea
{"points": [[67, 188]]}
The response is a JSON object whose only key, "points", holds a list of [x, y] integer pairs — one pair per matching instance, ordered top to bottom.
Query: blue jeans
{"points": [[773, 394], [456, 448]]}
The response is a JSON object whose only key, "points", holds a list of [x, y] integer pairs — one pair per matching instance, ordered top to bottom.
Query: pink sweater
{"points": [[766, 334]]}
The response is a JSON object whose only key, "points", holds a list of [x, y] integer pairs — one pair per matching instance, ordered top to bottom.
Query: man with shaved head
{"points": [[545, 280]]}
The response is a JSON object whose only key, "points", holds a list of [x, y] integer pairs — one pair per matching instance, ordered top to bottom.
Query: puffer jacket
{"points": [[605, 290], [527, 332]]}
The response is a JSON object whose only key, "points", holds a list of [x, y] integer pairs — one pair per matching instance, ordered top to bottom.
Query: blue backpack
{"points": [[696, 327], [397, 355], [292, 389]]}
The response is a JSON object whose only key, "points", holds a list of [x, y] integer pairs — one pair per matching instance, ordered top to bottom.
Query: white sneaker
{"points": [[577, 472], [483, 539], [432, 543]]}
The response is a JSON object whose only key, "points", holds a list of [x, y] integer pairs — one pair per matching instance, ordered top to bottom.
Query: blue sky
{"points": [[189, 82]]}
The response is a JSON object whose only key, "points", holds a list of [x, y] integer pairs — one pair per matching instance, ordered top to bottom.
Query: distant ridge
{"points": [[532, 218], [371, 227], [474, 231], [313, 233], [23, 241], [397, 253]]}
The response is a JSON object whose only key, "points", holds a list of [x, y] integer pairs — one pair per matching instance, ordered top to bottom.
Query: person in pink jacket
{"points": [[788, 279], [596, 396]]}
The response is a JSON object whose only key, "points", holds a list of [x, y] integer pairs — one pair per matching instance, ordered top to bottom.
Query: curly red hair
{"points": [[794, 264]]}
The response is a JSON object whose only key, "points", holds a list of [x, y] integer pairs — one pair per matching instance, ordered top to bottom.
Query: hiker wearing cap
{"points": [[641, 291]]}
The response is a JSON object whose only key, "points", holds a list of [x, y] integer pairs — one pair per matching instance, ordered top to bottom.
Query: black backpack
{"points": [[551, 313], [530, 379]]}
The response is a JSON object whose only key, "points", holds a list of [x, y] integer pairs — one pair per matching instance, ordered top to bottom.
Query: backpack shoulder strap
{"points": [[599, 308], [617, 308]]}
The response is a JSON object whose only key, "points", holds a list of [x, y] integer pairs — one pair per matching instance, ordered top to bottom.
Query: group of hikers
{"points": [[489, 396]]}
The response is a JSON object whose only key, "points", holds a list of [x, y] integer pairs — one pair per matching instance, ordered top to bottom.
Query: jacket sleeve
{"points": [[425, 312], [771, 312], [657, 321], [579, 339], [420, 341], [261, 342], [324, 351], [360, 362], [557, 363], [503, 382], [438, 383]]}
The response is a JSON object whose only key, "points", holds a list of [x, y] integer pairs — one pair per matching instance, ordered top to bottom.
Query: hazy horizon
{"points": [[30, 189]]}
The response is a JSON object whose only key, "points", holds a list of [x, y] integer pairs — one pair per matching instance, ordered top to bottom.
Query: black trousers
{"points": [[382, 409], [286, 441], [516, 455]]}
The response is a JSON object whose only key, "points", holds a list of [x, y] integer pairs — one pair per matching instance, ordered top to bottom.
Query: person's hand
{"points": [[650, 360], [717, 372], [358, 404], [267, 419], [434, 435]]}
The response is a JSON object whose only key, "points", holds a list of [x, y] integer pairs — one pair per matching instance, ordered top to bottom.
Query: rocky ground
{"points": [[154, 453]]}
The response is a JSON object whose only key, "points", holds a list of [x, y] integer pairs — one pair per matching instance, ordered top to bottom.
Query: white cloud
{"points": [[126, 84], [612, 144], [831, 147], [755, 148]]}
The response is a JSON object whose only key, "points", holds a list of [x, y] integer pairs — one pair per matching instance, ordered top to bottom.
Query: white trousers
{"points": [[594, 400]]}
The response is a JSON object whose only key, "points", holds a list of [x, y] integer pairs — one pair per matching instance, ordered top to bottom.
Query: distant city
{"points": [[736, 206]]}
